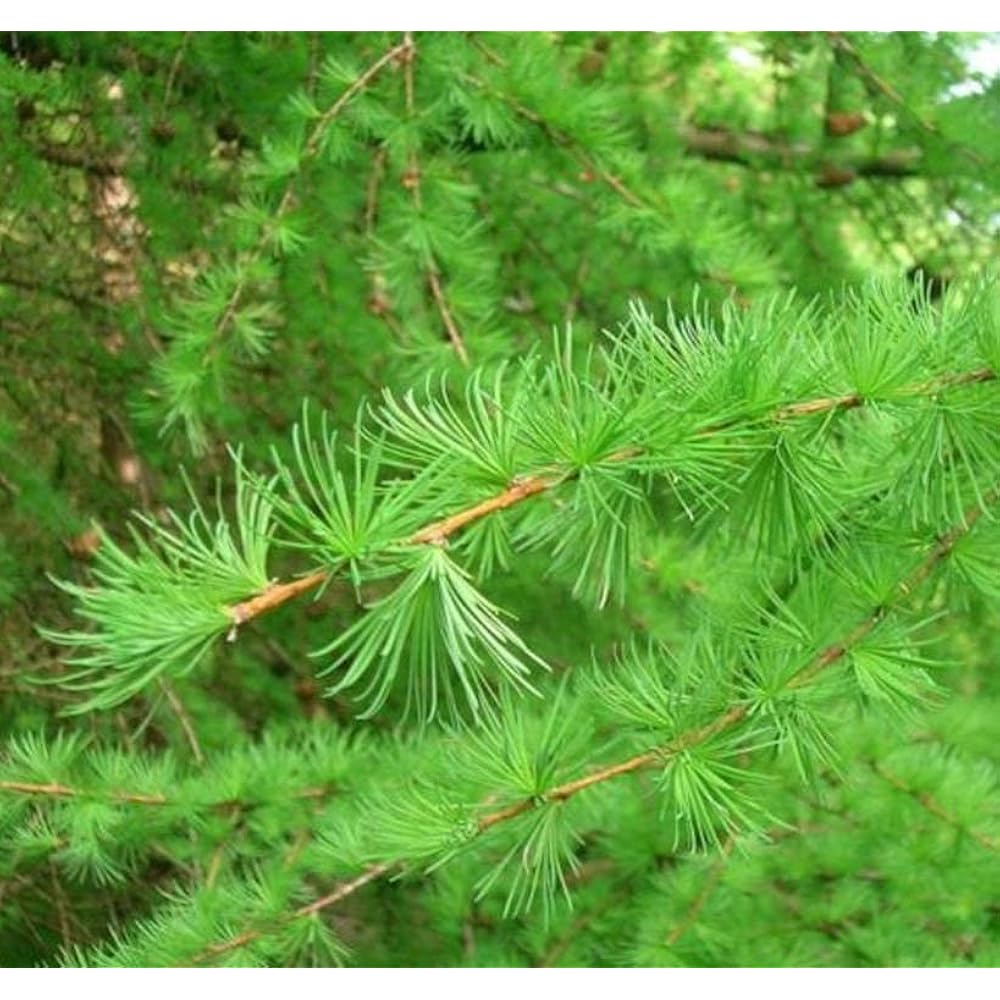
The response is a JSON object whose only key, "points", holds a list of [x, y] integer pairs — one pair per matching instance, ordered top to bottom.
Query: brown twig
{"points": [[175, 65], [560, 138], [312, 143], [754, 149], [584, 160], [591, 169], [413, 183], [371, 190], [379, 303], [454, 336], [437, 532], [434, 534], [274, 596], [737, 712], [185, 720], [650, 758], [55, 789], [58, 790], [934, 807], [215, 864], [345, 889], [342, 891], [698, 904], [61, 911]]}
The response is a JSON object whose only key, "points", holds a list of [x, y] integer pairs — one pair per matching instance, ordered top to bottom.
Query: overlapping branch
{"points": [[753, 149], [657, 756]]}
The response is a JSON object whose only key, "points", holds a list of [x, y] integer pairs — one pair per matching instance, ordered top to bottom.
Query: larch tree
{"points": [[499, 499]]}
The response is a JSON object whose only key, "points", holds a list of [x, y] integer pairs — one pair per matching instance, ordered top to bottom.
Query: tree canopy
{"points": [[499, 499]]}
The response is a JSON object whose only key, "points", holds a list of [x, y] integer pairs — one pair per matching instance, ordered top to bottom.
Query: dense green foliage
{"points": [[563, 474]]}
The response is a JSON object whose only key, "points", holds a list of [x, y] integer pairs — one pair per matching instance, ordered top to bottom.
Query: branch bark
{"points": [[754, 149]]}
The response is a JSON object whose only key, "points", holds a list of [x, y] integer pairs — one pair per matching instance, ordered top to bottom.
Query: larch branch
{"points": [[309, 150], [525, 487], [736, 713], [657, 756], [55, 789], [931, 805], [341, 892], [698, 904]]}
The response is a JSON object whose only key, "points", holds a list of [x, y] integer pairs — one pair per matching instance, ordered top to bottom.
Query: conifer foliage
{"points": [[565, 473]]}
